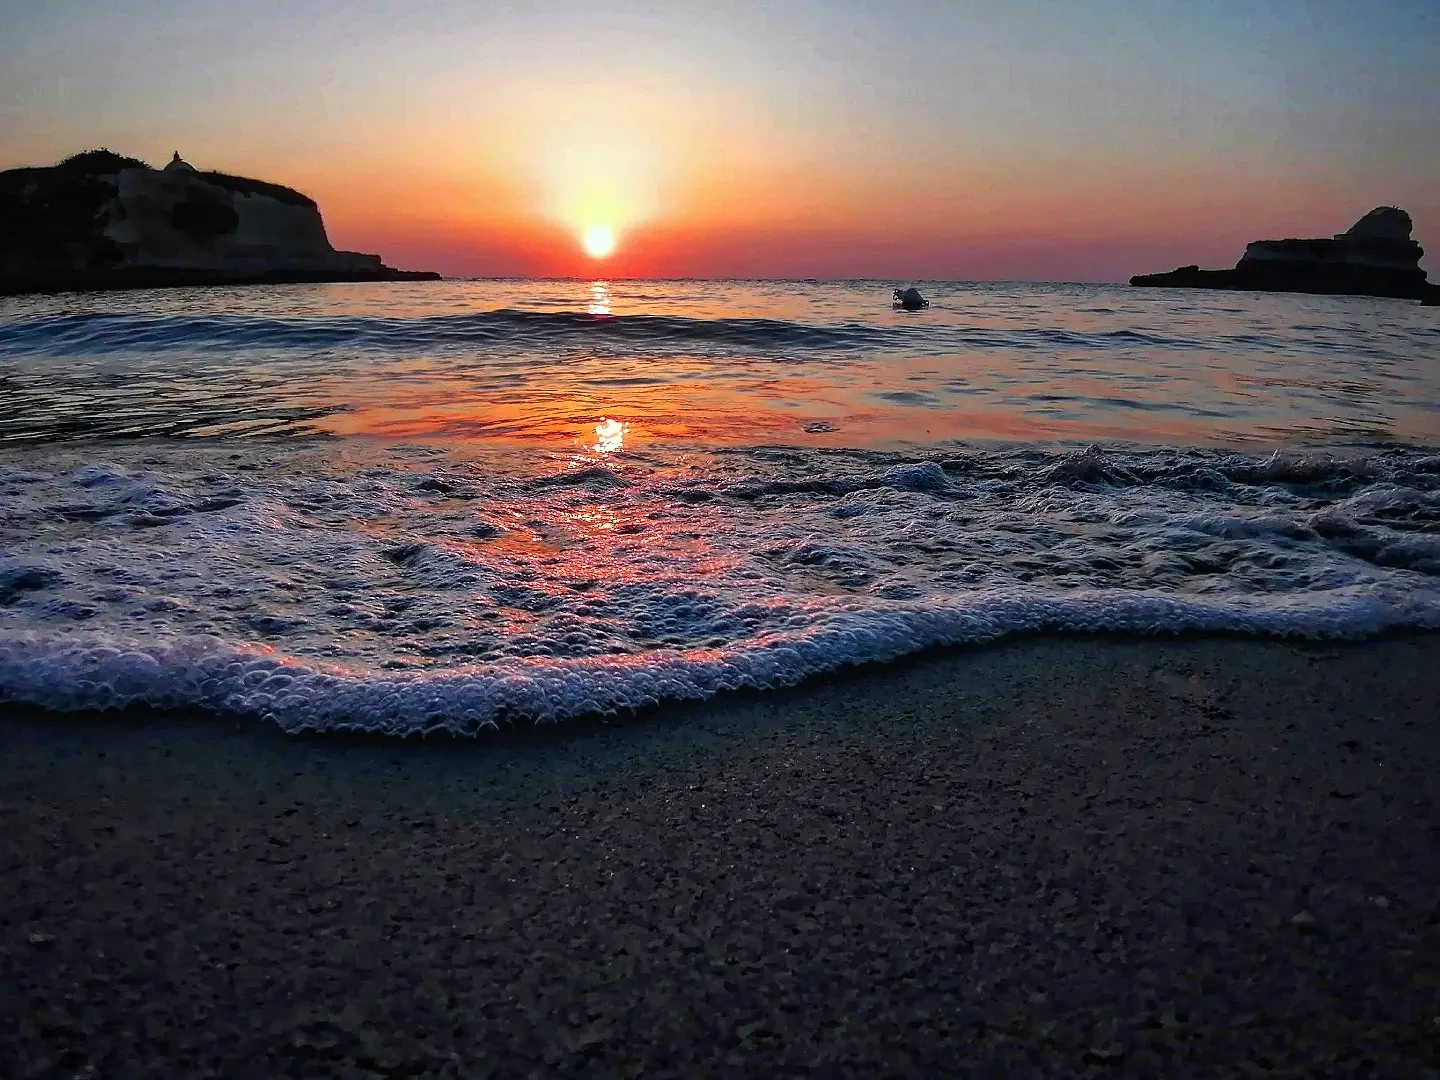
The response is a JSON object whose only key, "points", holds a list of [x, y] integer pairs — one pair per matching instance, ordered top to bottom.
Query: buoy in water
{"points": [[910, 299]]}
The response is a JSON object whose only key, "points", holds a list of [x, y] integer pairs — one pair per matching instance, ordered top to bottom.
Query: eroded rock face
{"points": [[181, 218], [101, 220], [1382, 223], [1374, 257]]}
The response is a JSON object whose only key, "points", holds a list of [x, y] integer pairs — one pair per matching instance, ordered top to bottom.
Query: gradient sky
{"points": [[1026, 140]]}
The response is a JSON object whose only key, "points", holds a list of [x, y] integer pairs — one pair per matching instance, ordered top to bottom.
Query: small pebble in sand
{"points": [[1303, 922], [39, 938]]}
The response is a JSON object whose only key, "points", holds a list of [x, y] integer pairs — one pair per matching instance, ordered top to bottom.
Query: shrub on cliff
{"points": [[99, 163], [243, 185], [58, 214]]}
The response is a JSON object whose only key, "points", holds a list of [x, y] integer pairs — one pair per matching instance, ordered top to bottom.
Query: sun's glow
{"points": [[597, 164], [599, 241]]}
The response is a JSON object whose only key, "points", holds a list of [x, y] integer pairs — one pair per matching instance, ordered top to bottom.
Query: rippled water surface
{"points": [[727, 363], [449, 506]]}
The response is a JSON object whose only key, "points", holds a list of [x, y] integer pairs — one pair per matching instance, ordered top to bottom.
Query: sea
{"points": [[447, 507]]}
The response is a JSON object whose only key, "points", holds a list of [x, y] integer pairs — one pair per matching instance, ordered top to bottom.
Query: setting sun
{"points": [[599, 241]]}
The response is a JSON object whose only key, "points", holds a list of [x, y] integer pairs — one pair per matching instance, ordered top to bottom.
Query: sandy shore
{"points": [[1202, 857]]}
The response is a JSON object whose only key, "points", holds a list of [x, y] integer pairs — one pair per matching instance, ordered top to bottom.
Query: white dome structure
{"points": [[177, 164]]}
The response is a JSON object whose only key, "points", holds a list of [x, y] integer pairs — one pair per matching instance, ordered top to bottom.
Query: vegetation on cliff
{"points": [[103, 161], [97, 163], [243, 185], [56, 213]]}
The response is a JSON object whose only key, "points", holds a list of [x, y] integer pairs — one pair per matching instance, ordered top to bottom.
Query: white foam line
{"points": [[85, 673]]}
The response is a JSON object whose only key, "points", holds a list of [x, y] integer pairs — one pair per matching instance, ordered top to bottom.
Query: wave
{"points": [[98, 334], [332, 588], [71, 674]]}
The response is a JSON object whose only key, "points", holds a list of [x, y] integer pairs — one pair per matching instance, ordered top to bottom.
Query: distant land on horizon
{"points": [[310, 256], [1377, 256]]}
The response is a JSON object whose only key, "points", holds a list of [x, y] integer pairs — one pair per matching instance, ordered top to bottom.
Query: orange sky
{"points": [[836, 139], [751, 218]]}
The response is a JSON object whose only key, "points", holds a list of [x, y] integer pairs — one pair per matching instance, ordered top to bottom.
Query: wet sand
{"points": [[1195, 857]]}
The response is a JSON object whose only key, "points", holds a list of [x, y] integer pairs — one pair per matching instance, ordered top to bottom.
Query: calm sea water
{"points": [[448, 505]]}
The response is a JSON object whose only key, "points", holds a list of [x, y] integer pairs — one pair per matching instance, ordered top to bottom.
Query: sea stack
{"points": [[100, 220], [1374, 257]]}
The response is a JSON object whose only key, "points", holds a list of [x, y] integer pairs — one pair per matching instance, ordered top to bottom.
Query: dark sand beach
{"points": [[1193, 857]]}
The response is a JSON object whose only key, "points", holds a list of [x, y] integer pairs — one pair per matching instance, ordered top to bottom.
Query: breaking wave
{"points": [[411, 590]]}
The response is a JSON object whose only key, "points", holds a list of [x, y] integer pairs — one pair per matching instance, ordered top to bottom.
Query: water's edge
{"points": [[406, 590]]}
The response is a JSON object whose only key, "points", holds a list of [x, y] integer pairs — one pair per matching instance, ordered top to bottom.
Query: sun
{"points": [[599, 241]]}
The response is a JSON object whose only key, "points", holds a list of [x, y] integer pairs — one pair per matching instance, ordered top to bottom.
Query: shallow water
{"points": [[721, 363], [447, 513]]}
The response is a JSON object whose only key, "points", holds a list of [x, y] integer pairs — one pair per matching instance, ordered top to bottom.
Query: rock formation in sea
{"points": [[100, 220], [1374, 257]]}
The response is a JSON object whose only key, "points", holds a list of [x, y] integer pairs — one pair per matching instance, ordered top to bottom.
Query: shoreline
{"points": [[1188, 856]]}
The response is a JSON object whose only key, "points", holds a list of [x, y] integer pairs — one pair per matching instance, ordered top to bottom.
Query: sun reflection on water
{"points": [[600, 298], [699, 364], [610, 436]]}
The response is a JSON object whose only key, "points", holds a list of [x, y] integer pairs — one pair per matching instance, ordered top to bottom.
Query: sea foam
{"points": [[328, 587], [84, 673]]}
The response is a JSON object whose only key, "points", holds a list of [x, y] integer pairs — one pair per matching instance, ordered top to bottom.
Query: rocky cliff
{"points": [[101, 220], [1374, 257]]}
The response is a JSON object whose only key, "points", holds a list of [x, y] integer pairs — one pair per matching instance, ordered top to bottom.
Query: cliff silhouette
{"points": [[101, 220], [1374, 257]]}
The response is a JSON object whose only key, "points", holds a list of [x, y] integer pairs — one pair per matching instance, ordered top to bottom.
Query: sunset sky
{"points": [[1046, 141]]}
